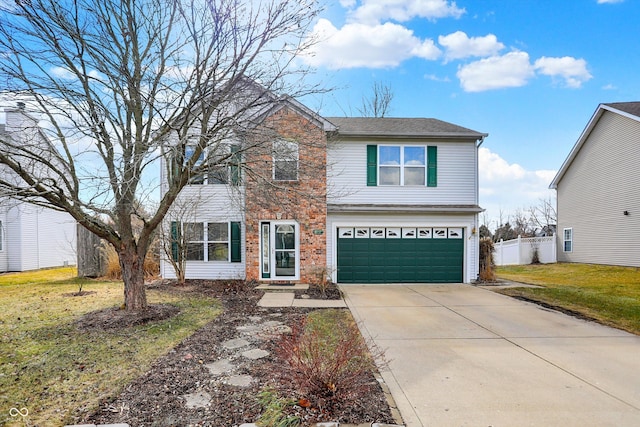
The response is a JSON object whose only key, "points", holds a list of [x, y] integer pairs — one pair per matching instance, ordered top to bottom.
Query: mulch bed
{"points": [[156, 398]]}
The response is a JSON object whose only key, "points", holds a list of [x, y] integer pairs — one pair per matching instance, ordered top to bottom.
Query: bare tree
{"points": [[119, 83], [378, 103], [544, 215], [521, 224]]}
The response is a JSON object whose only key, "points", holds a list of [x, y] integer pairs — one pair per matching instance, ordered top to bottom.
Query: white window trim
{"points": [[205, 158], [276, 158], [402, 165], [565, 240], [205, 242]]}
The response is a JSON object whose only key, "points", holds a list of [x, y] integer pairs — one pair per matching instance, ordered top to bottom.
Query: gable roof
{"points": [[630, 110], [401, 128]]}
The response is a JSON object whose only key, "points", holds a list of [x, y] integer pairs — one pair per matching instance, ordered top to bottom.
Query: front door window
{"points": [[279, 247]]}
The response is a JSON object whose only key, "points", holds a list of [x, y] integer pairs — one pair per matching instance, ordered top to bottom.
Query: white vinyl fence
{"points": [[520, 251]]}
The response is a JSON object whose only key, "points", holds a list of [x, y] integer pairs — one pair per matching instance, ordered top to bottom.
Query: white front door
{"points": [[279, 250]]}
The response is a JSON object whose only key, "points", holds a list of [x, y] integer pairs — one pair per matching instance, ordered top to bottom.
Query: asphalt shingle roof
{"points": [[627, 107], [401, 127]]}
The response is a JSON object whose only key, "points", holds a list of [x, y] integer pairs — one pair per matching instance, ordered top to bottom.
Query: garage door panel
{"points": [[400, 260]]}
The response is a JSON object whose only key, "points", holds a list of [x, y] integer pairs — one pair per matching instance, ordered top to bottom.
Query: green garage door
{"points": [[400, 255]]}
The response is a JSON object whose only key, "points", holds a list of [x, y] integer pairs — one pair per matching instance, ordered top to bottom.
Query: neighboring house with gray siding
{"points": [[598, 190]]}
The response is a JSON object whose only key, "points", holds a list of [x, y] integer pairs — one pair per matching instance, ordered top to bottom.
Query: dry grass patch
{"points": [[609, 294], [58, 371]]}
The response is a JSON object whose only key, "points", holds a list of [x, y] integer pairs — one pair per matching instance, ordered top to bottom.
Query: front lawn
{"points": [[608, 294], [58, 371]]}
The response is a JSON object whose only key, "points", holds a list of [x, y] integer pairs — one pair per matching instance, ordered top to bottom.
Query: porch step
{"points": [[288, 288]]}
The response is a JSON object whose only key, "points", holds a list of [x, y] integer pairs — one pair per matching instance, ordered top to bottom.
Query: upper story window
{"points": [[285, 160], [224, 165], [403, 165]]}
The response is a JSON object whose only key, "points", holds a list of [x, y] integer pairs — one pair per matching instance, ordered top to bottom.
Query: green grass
{"points": [[608, 294], [58, 372]]}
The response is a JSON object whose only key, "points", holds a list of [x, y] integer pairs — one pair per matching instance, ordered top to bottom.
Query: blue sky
{"points": [[529, 73]]}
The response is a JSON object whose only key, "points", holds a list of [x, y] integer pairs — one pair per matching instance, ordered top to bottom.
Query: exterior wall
{"points": [[347, 175], [600, 184], [303, 200], [208, 203], [466, 221], [38, 238], [4, 265]]}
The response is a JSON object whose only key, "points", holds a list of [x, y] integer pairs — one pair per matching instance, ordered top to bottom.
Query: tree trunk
{"points": [[132, 265]]}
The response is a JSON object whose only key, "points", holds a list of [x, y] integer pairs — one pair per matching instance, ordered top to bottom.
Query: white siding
{"points": [[347, 176], [600, 184], [210, 203], [466, 221], [36, 237], [3, 251]]}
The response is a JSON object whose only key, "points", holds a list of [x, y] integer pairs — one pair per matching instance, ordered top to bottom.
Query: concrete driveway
{"points": [[466, 356]]}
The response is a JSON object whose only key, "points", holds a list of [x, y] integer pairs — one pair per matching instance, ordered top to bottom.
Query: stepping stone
{"points": [[271, 323], [248, 328], [235, 343], [255, 354], [220, 367], [240, 380], [199, 399]]}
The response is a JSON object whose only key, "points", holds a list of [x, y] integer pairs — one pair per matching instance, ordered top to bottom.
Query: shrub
{"points": [[113, 272], [487, 273], [322, 278], [329, 364], [273, 410]]}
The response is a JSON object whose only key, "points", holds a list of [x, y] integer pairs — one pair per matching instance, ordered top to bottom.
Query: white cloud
{"points": [[609, 1], [375, 11], [458, 45], [371, 46], [510, 70], [573, 71], [506, 187]]}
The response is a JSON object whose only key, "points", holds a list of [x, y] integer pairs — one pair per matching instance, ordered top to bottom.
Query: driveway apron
{"points": [[466, 356]]}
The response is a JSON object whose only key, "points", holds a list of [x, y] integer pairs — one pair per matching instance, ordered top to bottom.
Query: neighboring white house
{"points": [[598, 190], [396, 201], [31, 237]]}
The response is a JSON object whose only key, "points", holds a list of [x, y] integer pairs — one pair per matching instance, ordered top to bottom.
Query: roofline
{"points": [[435, 135], [583, 137], [363, 208]]}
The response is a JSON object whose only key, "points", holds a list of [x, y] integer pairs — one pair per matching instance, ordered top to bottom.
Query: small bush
{"points": [[487, 266], [321, 278], [329, 366], [273, 410]]}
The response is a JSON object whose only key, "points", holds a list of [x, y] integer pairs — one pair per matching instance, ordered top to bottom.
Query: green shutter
{"points": [[235, 165], [372, 165], [432, 166], [175, 236], [235, 242]]}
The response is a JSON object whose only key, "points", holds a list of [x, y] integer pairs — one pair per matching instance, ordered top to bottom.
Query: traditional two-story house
{"points": [[362, 200]]}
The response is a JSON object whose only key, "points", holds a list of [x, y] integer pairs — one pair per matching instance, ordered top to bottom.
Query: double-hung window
{"points": [[285, 160], [224, 165], [402, 165], [567, 237], [206, 241]]}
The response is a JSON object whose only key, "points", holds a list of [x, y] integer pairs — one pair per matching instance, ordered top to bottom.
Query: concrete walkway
{"points": [[465, 356]]}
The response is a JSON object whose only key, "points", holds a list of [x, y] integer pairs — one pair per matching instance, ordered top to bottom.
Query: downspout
{"points": [[476, 224]]}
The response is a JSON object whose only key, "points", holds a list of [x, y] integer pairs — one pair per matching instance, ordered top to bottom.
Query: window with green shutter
{"points": [[372, 165], [432, 166], [175, 238], [236, 244]]}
